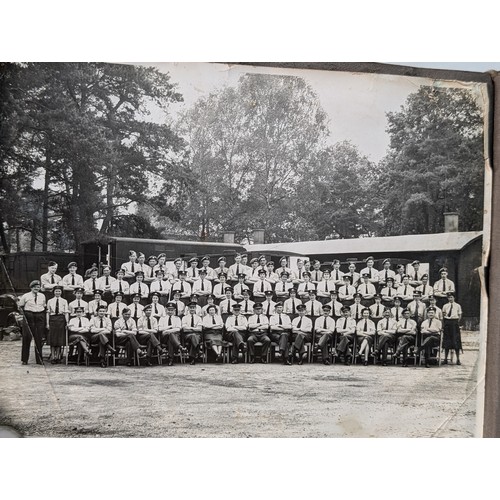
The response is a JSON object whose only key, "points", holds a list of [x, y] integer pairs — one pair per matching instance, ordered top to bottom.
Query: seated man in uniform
{"points": [[386, 273], [90, 285], [120, 285], [161, 286], [306, 286], [140, 287], [239, 287], [261, 287], [324, 287], [281, 288], [425, 289], [367, 290], [347, 291], [405, 291], [388, 293], [78, 302], [227, 304], [291, 304], [313, 306], [336, 306], [115, 309], [377, 309], [157, 310], [258, 327], [169, 328], [191, 328], [280, 328], [302, 328], [324, 328], [346, 328], [125, 329], [386, 330], [78, 331], [100, 331], [237, 331], [147, 332], [407, 332], [431, 332]]}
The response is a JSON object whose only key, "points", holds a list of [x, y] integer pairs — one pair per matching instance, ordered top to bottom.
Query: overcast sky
{"points": [[356, 103]]}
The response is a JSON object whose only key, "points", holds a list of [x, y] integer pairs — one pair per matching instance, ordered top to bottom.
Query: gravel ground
{"points": [[239, 401]]}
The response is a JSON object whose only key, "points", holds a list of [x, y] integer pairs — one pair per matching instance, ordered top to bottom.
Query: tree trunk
{"points": [[45, 204], [4, 240]]}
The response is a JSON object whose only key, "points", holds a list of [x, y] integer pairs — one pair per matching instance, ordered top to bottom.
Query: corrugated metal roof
{"points": [[406, 243]]}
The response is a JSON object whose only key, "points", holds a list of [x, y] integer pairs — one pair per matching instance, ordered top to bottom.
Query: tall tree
{"points": [[435, 162]]}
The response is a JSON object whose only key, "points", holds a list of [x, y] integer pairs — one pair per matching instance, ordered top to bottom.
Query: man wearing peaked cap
{"points": [[205, 265], [284, 267], [221, 269], [236, 269], [192, 273], [385, 273], [316, 274], [373, 275], [71, 280], [120, 285], [240, 286], [282, 286], [306, 286], [443, 286], [140, 287], [261, 287], [425, 289], [78, 302], [192, 325], [258, 327], [302, 328], [324, 328], [280, 329], [386, 330], [237, 331], [407, 331], [431, 331], [147, 333]]}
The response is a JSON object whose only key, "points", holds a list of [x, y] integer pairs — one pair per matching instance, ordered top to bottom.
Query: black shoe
{"points": [[111, 350], [160, 351], [219, 359], [301, 360], [53, 361], [234, 361], [252, 361], [263, 361], [24, 362], [170, 362], [287, 362], [326, 362], [445, 362], [458, 362], [129, 363], [148, 363], [365, 363], [384, 364], [104, 365], [427, 365]]}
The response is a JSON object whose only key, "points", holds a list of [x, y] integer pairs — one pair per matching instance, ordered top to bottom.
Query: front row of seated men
{"points": [[185, 336]]}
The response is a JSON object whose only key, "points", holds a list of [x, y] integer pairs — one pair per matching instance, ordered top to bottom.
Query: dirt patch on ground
{"points": [[238, 401]]}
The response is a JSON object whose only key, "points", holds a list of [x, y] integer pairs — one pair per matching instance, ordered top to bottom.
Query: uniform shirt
{"points": [[130, 267], [162, 267], [145, 269], [236, 269], [219, 270], [285, 270], [192, 273], [211, 274], [384, 274], [336, 275], [316, 276], [374, 276], [272, 277], [355, 277], [415, 277], [398, 279], [49, 280], [72, 281], [101, 283], [90, 286], [120, 286], [163, 287], [184, 287], [202, 287], [260, 287], [324, 287], [141, 288], [281, 288], [304, 288], [441, 288], [366, 289], [220, 290], [238, 290], [388, 291], [426, 291], [346, 292], [405, 292], [33, 302], [78, 303], [93, 305], [290, 305], [63, 306], [226, 306], [179, 307], [247, 307], [268, 307], [314, 308], [336, 308], [115, 309], [136, 309], [204, 309], [416, 309], [157, 310], [356, 311], [377, 311], [452, 311], [397, 312], [191, 321], [208, 321], [258, 321], [286, 322], [175, 323], [241, 323], [320, 323], [407, 323], [142, 324], [306, 324], [79, 325], [95, 325], [121, 325], [346, 325], [387, 326], [433, 326], [365, 327]]}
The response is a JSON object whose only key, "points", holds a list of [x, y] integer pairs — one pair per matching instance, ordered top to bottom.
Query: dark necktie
{"points": [[132, 267], [237, 269], [370, 273], [300, 274], [337, 275], [386, 276], [416, 277], [52, 279], [72, 279], [107, 281], [444, 284], [93, 285], [120, 285], [182, 286], [202, 286], [161, 287], [406, 288], [366, 289], [389, 292], [35, 296], [78, 302], [246, 305], [57, 306], [293, 306], [268, 308], [156, 309], [378, 310], [450, 311], [357, 312], [117, 313], [135, 314], [397, 314], [192, 320], [213, 320], [169, 321], [79, 322], [280, 322], [300, 322], [149, 323], [324, 323], [430, 323], [345, 324], [387, 324], [406, 324], [102, 326], [126, 326], [365, 327]]}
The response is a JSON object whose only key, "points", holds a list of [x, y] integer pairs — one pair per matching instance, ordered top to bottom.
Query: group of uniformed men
{"points": [[151, 309]]}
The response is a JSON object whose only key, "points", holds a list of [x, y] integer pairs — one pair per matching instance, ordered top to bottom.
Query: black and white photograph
{"points": [[215, 250]]}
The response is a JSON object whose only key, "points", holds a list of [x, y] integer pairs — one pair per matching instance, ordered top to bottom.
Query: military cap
{"points": [[131, 253], [140, 254], [162, 256], [152, 257], [205, 257], [262, 257], [369, 258], [177, 259], [193, 259], [221, 259], [283, 259], [254, 260], [386, 260], [335, 261], [415, 262], [52, 263], [270, 263], [72, 264], [106, 267], [443, 270], [119, 271], [159, 271], [262, 271], [327, 271], [139, 273], [182, 273], [284, 273], [306, 273], [223, 274], [242, 275], [365, 275], [405, 276], [425, 276], [347, 277], [390, 278], [57, 287], [228, 288], [79, 289], [292, 289], [98, 291], [245, 291], [311, 291], [176, 292], [333, 292], [268, 293], [417, 293], [118, 294], [155, 294], [450, 294], [135, 295], [194, 295], [357, 295], [212, 296], [377, 296], [397, 298], [193, 304], [279, 304], [171, 305], [257, 305], [236, 306], [327, 306], [101, 307], [149, 307], [301, 307], [79, 309], [346, 309], [365, 309], [431, 309], [406, 310]]}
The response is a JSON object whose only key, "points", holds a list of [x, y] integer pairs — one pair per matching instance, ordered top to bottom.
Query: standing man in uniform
{"points": [[371, 271], [385, 273], [50, 278], [71, 281], [443, 286], [452, 315]]}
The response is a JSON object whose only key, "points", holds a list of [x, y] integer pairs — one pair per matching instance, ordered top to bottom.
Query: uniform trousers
{"points": [[33, 328], [258, 337], [76, 338], [98, 338], [237, 338], [148, 339], [282, 339], [129, 340], [299, 340], [406, 340], [193, 341], [384, 342], [173, 343], [344, 343], [428, 343], [323, 344]]}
